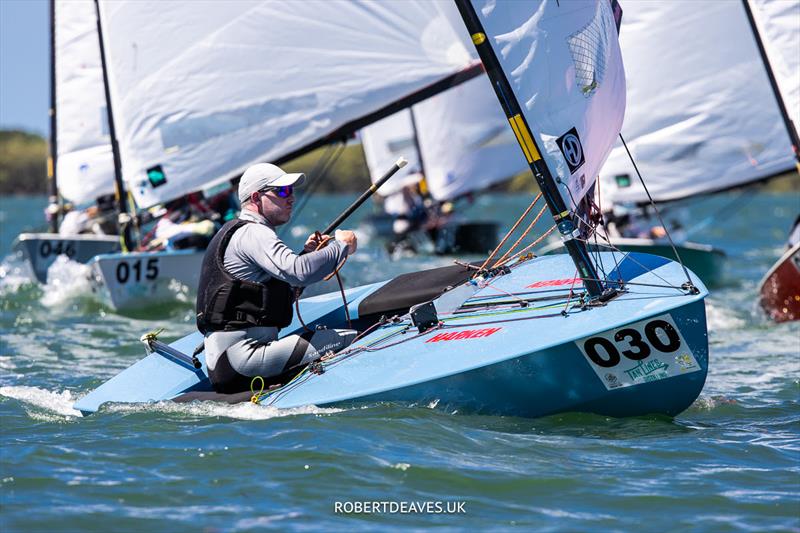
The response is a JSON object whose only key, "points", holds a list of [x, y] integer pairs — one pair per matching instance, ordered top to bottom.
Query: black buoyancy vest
{"points": [[228, 303]]}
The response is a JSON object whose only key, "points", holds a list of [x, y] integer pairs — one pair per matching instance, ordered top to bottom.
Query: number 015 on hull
{"points": [[133, 281]]}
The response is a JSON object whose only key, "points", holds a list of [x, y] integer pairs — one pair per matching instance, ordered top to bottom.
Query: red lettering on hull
{"points": [[552, 283], [464, 334]]}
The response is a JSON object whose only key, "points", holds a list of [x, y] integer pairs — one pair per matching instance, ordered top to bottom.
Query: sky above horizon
{"points": [[24, 71]]}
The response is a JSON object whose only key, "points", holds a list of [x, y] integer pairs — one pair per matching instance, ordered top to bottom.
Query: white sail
{"points": [[779, 26], [563, 62], [201, 93], [701, 116], [464, 138], [85, 166]]}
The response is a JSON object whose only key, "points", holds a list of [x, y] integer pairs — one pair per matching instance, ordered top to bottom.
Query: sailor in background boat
{"points": [[99, 219], [627, 220], [188, 222], [246, 293]]}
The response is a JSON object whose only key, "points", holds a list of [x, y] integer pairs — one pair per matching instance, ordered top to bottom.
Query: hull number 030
{"points": [[136, 271], [630, 343], [646, 351]]}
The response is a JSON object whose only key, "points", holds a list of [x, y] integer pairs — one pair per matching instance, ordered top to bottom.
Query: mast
{"points": [[790, 127], [416, 141], [52, 159], [424, 181], [561, 214], [124, 217]]}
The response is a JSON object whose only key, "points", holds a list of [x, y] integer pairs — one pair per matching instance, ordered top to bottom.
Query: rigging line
{"points": [[598, 211], [658, 213], [591, 230], [605, 230], [508, 234], [524, 234], [534, 243], [627, 255], [666, 286], [569, 295], [521, 300]]}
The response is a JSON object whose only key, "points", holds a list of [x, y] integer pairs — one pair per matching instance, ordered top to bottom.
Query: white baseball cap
{"points": [[264, 175]]}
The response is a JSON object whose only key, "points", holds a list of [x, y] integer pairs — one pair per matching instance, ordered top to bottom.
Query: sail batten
{"points": [[248, 81]]}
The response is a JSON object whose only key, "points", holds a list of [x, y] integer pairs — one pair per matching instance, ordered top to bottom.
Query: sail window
{"points": [[589, 47]]}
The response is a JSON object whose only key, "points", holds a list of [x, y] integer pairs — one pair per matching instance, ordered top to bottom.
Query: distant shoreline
{"points": [[23, 169]]}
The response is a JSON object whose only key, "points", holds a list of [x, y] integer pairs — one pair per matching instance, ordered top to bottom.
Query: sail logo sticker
{"points": [[571, 149], [156, 176], [464, 334]]}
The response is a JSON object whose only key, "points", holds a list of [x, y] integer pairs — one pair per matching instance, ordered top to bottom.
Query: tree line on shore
{"points": [[23, 163], [23, 167]]}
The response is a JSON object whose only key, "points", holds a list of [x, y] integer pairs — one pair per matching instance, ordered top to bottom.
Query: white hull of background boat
{"points": [[41, 249], [136, 280]]}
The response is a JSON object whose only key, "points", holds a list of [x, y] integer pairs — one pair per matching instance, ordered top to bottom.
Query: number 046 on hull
{"points": [[40, 250]]}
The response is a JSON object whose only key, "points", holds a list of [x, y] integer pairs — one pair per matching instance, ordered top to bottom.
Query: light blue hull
{"points": [[493, 355], [541, 383]]}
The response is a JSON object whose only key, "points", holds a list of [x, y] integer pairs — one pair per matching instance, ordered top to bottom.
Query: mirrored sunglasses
{"points": [[283, 192]]}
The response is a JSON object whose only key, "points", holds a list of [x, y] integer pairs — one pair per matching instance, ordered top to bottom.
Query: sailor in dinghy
{"points": [[246, 287], [617, 335]]}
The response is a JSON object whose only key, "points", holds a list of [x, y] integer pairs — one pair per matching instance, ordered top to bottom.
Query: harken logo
{"points": [[571, 148], [552, 283], [464, 334]]}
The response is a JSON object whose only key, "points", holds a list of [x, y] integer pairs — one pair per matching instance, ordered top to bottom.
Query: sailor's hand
{"points": [[349, 238], [314, 240]]}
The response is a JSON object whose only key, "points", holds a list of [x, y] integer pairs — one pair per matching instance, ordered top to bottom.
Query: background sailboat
{"points": [[776, 28], [248, 82], [701, 117], [460, 145], [80, 167]]}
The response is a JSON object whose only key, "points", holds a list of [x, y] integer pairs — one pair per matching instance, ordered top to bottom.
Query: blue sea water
{"points": [[731, 462]]}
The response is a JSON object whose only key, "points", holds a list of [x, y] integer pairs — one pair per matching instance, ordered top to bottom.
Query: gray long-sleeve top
{"points": [[255, 253]]}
